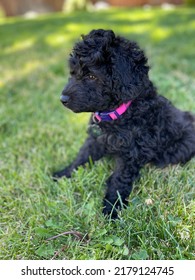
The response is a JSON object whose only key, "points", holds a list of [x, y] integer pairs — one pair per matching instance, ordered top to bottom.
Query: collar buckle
{"points": [[95, 119]]}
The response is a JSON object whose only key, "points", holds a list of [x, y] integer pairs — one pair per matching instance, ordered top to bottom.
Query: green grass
{"points": [[38, 136]]}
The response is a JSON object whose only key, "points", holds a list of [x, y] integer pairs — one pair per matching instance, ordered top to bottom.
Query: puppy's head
{"points": [[105, 71]]}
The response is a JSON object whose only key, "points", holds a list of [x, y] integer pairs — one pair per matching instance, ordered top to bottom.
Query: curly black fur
{"points": [[106, 71]]}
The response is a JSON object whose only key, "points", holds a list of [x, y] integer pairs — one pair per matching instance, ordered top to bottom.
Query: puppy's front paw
{"points": [[62, 173], [110, 210]]}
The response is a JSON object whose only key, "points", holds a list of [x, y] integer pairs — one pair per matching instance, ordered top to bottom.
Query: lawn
{"points": [[38, 136]]}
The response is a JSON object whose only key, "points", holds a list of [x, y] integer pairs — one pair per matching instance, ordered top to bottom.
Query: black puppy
{"points": [[109, 77]]}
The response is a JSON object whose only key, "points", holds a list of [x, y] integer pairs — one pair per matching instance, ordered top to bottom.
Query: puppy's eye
{"points": [[92, 77]]}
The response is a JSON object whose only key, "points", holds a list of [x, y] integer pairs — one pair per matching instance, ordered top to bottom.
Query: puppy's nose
{"points": [[64, 99]]}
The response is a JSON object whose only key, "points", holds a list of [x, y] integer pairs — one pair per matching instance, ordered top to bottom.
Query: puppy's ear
{"points": [[129, 70]]}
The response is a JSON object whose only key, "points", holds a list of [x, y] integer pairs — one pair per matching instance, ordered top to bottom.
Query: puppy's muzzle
{"points": [[64, 99]]}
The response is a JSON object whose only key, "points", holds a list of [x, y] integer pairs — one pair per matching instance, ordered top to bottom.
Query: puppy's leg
{"points": [[90, 150], [119, 185]]}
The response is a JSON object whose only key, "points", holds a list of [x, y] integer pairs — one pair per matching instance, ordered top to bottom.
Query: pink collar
{"points": [[112, 115]]}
